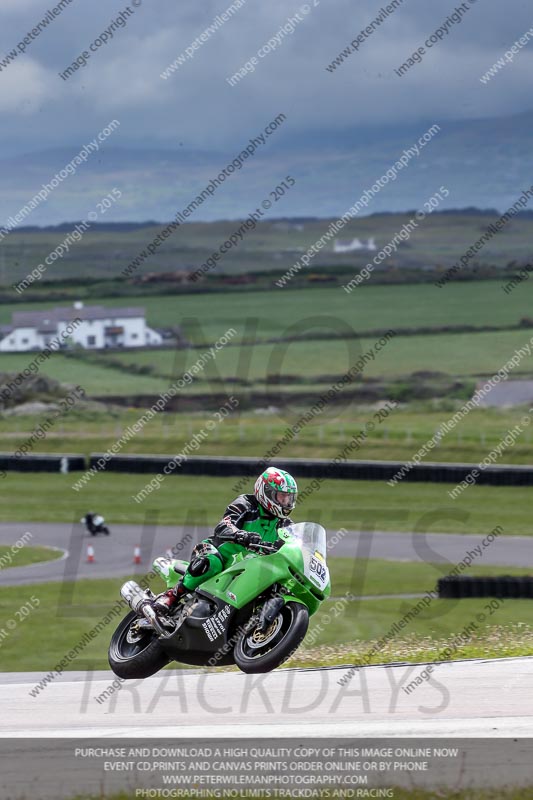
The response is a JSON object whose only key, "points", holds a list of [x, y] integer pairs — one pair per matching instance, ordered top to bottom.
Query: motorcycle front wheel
{"points": [[258, 651], [135, 655]]}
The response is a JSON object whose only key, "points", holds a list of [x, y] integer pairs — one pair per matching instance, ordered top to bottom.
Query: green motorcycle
{"points": [[254, 614]]}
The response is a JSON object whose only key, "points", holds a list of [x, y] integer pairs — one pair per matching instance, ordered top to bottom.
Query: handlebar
{"points": [[269, 547]]}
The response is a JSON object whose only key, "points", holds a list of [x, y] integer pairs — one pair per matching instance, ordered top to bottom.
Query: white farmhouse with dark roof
{"points": [[100, 327]]}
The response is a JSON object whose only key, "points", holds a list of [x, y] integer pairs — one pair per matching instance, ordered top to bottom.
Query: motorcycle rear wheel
{"points": [[282, 638], [135, 659]]}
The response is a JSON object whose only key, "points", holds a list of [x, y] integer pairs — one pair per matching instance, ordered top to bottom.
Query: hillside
{"points": [[470, 156], [273, 246]]}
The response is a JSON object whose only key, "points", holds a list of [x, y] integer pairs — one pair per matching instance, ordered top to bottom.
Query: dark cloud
{"points": [[197, 107]]}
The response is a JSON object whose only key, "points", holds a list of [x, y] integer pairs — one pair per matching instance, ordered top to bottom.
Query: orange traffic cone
{"points": [[90, 554], [137, 555]]}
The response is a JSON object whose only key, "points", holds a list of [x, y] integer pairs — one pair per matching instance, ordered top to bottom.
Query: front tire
{"points": [[253, 654], [139, 658]]}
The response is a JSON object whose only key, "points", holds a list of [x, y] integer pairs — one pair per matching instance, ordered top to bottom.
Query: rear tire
{"points": [[288, 631], [138, 659]]}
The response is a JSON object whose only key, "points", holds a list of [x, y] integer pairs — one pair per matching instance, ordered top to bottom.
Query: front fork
{"points": [[269, 612]]}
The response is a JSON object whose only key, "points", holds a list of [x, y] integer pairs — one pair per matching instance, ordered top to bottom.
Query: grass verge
{"points": [[252, 434], [27, 555]]}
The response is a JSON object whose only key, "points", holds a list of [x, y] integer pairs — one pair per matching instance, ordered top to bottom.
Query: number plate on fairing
{"points": [[316, 570]]}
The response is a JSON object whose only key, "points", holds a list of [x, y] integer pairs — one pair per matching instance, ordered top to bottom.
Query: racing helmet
{"points": [[276, 491]]}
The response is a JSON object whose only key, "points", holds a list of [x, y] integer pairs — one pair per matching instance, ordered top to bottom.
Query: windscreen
{"points": [[311, 536]]}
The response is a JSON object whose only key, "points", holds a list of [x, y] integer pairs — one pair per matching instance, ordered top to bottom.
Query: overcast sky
{"points": [[196, 106]]}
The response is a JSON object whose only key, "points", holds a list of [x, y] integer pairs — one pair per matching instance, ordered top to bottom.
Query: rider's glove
{"points": [[245, 538], [279, 543]]}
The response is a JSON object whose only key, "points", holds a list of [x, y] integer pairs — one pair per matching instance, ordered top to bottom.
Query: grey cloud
{"points": [[197, 107]]}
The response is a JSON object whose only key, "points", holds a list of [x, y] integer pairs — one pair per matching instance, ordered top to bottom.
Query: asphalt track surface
{"points": [[114, 554], [461, 698]]}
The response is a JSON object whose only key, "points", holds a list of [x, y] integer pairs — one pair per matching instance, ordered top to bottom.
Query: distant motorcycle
{"points": [[95, 524]]}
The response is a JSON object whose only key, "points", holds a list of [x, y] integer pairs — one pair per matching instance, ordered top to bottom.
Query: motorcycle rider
{"points": [[249, 519], [94, 523]]}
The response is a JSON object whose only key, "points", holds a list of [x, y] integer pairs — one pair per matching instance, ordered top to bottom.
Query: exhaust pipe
{"points": [[136, 598]]}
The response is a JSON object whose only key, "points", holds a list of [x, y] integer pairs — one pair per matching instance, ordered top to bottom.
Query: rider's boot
{"points": [[165, 602]]}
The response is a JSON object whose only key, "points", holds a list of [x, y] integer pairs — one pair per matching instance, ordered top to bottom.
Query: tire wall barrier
{"points": [[42, 463], [250, 468], [320, 468], [501, 586]]}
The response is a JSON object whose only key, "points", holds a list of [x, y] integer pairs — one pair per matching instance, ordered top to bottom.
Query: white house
{"points": [[342, 246], [99, 328]]}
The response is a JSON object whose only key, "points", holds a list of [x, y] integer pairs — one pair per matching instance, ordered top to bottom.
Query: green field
{"points": [[272, 245], [366, 309], [333, 329], [460, 354], [312, 365], [95, 378], [250, 434], [355, 505], [26, 555], [376, 576], [349, 638]]}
